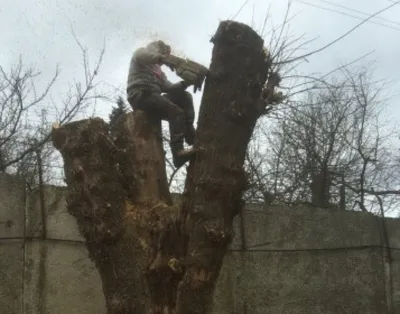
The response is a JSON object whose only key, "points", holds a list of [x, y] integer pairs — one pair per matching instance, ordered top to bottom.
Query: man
{"points": [[146, 83]]}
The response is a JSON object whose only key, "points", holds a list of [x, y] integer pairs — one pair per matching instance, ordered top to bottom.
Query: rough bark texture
{"points": [[216, 180], [154, 256]]}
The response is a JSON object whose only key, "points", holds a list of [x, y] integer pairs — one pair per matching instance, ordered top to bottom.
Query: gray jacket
{"points": [[145, 73]]}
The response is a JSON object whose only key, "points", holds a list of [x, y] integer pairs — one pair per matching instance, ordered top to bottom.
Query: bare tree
{"points": [[26, 114], [330, 148]]}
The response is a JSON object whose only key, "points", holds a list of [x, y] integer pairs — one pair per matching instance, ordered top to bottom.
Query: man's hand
{"points": [[162, 60], [185, 84], [182, 85]]}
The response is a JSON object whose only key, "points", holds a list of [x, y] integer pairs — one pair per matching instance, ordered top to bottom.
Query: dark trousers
{"points": [[176, 108]]}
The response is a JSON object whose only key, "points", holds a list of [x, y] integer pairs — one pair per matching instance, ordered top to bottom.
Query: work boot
{"points": [[190, 134], [180, 155], [183, 156]]}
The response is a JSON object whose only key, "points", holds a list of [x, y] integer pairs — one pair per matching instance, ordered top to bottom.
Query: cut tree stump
{"points": [[155, 256]]}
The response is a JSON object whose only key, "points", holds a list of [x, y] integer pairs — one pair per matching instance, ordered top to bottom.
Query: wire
{"points": [[360, 12], [350, 15], [342, 36]]}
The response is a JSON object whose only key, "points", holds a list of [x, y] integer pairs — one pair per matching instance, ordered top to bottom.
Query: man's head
{"points": [[160, 47]]}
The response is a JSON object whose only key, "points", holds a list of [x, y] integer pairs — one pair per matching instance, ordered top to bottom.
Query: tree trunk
{"points": [[155, 256]]}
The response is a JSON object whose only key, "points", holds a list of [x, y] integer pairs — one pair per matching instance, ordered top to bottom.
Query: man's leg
{"points": [[133, 96], [185, 101], [165, 109]]}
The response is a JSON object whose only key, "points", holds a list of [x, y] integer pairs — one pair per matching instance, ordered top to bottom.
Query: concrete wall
{"points": [[294, 260], [308, 260], [53, 276]]}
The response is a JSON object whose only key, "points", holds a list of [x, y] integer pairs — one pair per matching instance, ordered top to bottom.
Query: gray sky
{"points": [[40, 31]]}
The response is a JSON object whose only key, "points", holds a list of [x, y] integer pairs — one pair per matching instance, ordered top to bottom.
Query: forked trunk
{"points": [[154, 256]]}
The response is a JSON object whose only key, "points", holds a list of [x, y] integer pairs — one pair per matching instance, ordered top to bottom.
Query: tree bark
{"points": [[216, 180], [155, 256]]}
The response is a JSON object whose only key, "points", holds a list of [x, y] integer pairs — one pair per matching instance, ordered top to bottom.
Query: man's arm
{"points": [[144, 56], [168, 86], [171, 87]]}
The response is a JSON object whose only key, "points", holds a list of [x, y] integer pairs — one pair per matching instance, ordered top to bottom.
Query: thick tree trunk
{"points": [[215, 182], [118, 193], [154, 256]]}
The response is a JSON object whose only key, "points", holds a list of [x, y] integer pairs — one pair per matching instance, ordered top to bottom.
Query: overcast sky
{"points": [[40, 32]]}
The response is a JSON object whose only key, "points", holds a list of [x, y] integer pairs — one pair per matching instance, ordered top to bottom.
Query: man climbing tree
{"points": [[146, 82], [154, 256]]}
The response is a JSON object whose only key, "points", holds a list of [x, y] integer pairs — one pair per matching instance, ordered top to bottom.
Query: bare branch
{"points": [[342, 36], [20, 101]]}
